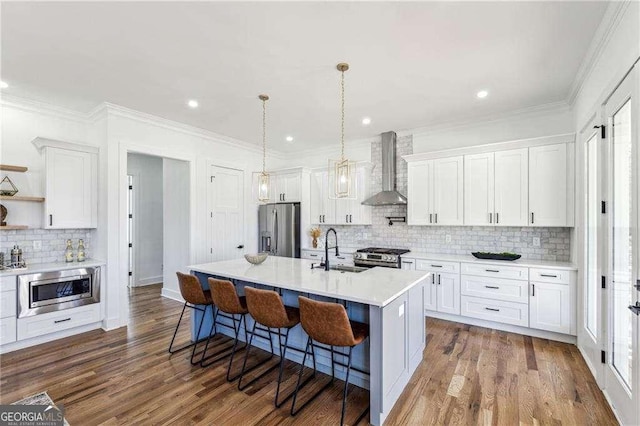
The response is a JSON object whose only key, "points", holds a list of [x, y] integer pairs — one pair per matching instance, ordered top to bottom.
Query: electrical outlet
{"points": [[447, 238], [536, 241], [37, 245]]}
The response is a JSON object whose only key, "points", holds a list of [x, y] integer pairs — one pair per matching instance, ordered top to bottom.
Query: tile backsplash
{"points": [[554, 242], [54, 243]]}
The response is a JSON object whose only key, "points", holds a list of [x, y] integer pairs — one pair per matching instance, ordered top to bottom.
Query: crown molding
{"points": [[612, 17], [38, 107]]}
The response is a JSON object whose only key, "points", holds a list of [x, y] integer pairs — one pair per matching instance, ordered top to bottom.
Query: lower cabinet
{"points": [[443, 293], [549, 307], [495, 310], [40, 325], [7, 330]]}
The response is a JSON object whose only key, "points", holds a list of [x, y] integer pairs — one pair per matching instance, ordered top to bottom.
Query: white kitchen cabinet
{"points": [[71, 184], [548, 186], [287, 187], [511, 187], [496, 188], [435, 192], [420, 193], [323, 208], [408, 264], [442, 292], [550, 307]]}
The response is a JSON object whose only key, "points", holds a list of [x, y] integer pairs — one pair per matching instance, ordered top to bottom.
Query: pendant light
{"points": [[341, 171], [263, 179]]}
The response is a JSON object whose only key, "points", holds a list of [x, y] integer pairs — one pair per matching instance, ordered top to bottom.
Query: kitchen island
{"points": [[390, 300]]}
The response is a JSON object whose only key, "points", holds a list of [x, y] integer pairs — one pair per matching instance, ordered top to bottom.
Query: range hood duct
{"points": [[389, 195]]}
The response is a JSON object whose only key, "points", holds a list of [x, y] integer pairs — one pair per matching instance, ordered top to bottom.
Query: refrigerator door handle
{"points": [[275, 230]]}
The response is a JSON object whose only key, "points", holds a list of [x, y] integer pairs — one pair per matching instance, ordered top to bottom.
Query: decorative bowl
{"points": [[496, 256], [256, 259]]}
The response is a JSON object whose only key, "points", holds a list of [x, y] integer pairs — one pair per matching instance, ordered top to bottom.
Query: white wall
{"points": [[147, 217], [176, 228]]}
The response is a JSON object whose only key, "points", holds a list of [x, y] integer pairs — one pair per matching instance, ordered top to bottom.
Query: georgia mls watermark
{"points": [[32, 415]]}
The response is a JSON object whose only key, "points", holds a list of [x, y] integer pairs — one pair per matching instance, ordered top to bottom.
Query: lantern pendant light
{"points": [[341, 171], [263, 179]]}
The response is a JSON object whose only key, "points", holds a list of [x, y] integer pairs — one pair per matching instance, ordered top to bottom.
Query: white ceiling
{"points": [[412, 64]]}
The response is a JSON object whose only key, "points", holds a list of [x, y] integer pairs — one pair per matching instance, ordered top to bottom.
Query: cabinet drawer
{"points": [[313, 255], [343, 259], [437, 266], [497, 271], [550, 276], [8, 283], [495, 288], [8, 302], [495, 310], [57, 321], [7, 330]]}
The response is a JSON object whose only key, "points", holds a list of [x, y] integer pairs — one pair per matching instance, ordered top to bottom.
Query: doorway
{"points": [[609, 327]]}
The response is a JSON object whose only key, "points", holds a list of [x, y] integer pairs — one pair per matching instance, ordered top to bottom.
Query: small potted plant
{"points": [[315, 233]]}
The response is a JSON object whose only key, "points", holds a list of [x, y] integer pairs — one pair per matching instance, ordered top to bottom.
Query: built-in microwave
{"points": [[57, 290]]}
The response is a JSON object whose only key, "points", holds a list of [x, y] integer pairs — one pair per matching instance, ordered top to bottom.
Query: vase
{"points": [[315, 243]]}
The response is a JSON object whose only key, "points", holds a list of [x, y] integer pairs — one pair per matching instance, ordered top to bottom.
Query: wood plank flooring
{"points": [[470, 375]]}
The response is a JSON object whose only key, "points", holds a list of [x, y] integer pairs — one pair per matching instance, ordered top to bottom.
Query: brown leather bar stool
{"points": [[194, 297], [229, 305], [269, 312], [328, 323]]}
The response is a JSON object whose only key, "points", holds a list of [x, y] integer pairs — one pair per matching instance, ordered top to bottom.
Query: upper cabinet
{"points": [[520, 183], [71, 184], [551, 185], [288, 187], [435, 192], [325, 209]]}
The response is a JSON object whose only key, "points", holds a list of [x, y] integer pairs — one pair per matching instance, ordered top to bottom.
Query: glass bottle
{"points": [[68, 253], [81, 253]]}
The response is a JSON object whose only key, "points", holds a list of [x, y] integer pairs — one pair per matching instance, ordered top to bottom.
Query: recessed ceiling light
{"points": [[3, 85], [482, 94], [193, 103], [366, 121], [289, 138]]}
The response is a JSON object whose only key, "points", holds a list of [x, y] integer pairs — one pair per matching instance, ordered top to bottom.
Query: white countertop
{"points": [[467, 258], [48, 267], [375, 286]]}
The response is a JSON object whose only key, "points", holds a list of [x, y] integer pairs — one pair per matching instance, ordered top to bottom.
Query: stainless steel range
{"points": [[376, 256]]}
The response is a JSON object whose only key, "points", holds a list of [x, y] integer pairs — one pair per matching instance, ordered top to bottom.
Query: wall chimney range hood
{"points": [[389, 195]]}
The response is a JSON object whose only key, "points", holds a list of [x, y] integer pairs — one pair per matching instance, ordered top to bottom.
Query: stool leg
{"points": [[235, 346], [171, 350], [193, 352], [246, 354], [346, 385], [295, 393], [278, 403]]}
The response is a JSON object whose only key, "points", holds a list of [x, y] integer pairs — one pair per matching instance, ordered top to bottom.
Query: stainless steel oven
{"points": [[57, 290]]}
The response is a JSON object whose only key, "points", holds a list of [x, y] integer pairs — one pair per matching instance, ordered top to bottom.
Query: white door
{"points": [[548, 185], [71, 186], [511, 187], [478, 189], [419, 193], [448, 193], [226, 213], [448, 293], [547, 307], [622, 377]]}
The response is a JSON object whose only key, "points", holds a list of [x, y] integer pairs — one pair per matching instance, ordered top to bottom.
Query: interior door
{"points": [[511, 187], [478, 189], [448, 191], [227, 211], [621, 370]]}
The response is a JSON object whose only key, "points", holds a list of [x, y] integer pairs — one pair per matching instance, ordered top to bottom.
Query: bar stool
{"points": [[194, 297], [229, 305], [268, 311], [328, 323]]}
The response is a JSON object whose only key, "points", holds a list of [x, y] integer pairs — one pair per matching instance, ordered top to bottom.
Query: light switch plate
{"points": [[447, 238], [536, 241], [37, 245], [401, 310]]}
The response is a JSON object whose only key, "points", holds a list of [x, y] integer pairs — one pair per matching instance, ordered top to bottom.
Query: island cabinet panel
{"points": [[417, 330], [395, 350]]}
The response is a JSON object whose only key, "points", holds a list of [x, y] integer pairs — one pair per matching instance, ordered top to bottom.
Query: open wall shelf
{"points": [[8, 168], [21, 198], [13, 227]]}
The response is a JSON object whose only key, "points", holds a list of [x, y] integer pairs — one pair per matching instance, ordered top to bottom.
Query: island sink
{"points": [[347, 268]]}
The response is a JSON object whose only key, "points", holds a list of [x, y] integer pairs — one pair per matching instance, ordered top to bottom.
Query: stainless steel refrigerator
{"points": [[279, 229]]}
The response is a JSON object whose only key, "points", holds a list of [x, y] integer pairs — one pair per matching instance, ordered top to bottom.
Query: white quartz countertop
{"points": [[470, 259], [48, 267], [375, 286]]}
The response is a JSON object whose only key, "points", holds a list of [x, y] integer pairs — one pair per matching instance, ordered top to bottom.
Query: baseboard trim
{"points": [[148, 281], [172, 294], [504, 327], [22, 344]]}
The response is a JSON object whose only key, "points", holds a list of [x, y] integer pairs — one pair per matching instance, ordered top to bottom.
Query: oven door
{"points": [[368, 263], [54, 291]]}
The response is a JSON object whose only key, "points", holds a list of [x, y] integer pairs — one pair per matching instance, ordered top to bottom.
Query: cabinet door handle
{"points": [[430, 217], [436, 217], [490, 217], [497, 217], [346, 218], [350, 218], [532, 218], [50, 220], [313, 255], [340, 257], [406, 261], [436, 266], [492, 270], [549, 275], [439, 277], [433, 279], [492, 287], [533, 289], [493, 309], [62, 320]]}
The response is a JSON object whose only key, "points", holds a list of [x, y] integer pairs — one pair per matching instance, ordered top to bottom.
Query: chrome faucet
{"points": [[326, 247]]}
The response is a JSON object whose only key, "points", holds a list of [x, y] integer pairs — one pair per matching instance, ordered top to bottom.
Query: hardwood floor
{"points": [[470, 375]]}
